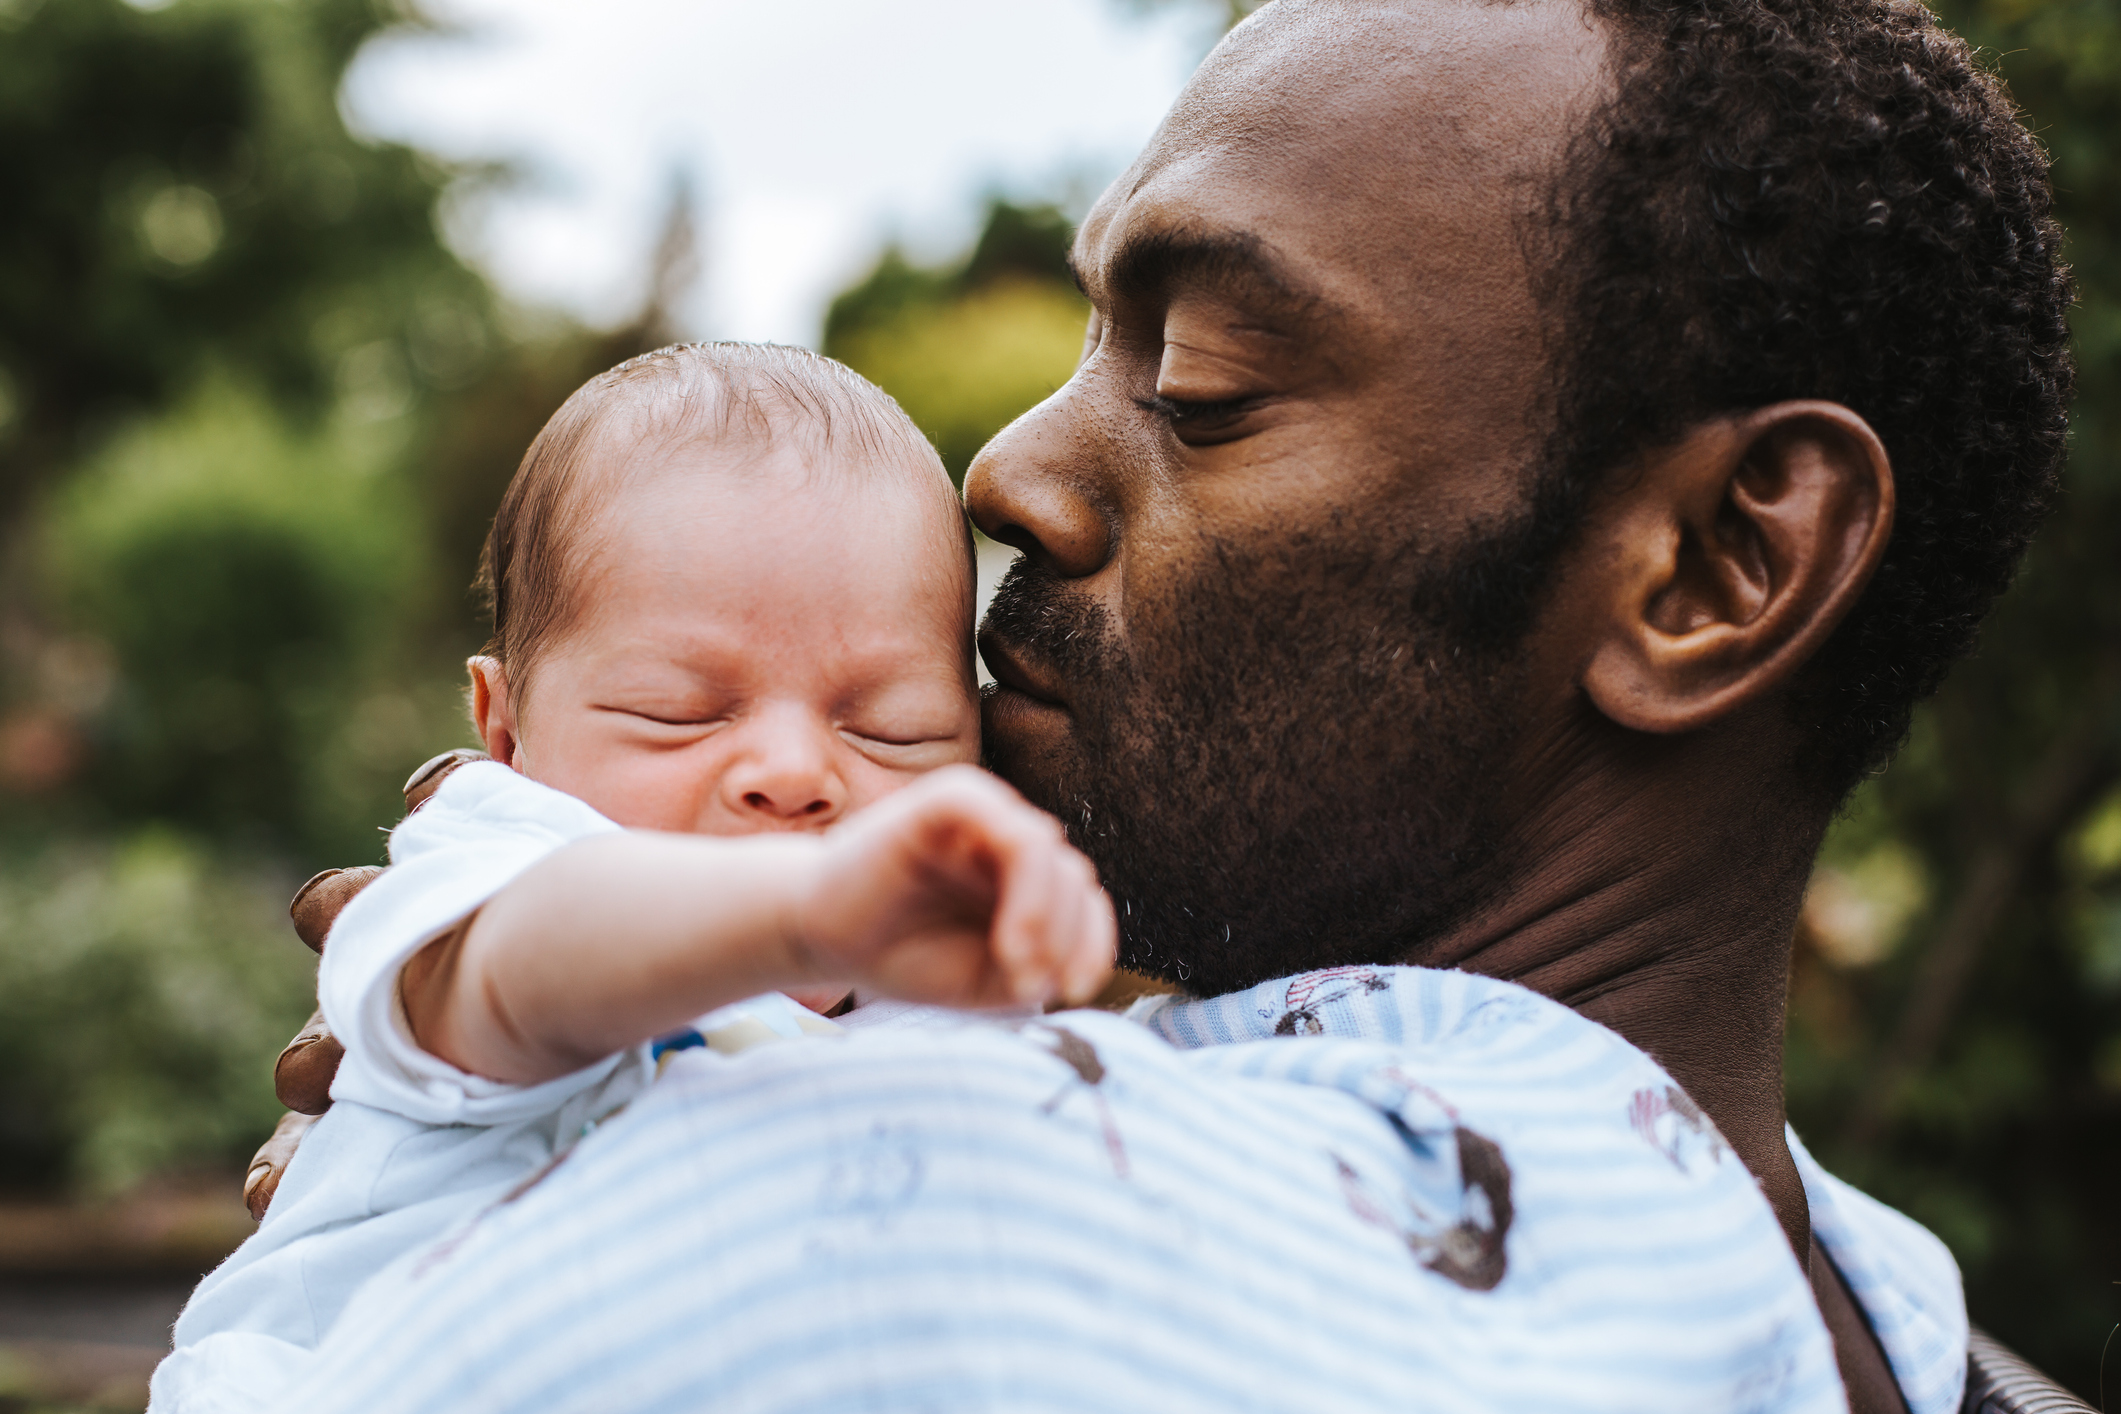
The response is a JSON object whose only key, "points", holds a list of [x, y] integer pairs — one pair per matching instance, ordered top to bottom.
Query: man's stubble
{"points": [[1292, 759]]}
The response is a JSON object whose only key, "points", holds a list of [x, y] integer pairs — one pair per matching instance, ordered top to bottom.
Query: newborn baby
{"points": [[732, 714]]}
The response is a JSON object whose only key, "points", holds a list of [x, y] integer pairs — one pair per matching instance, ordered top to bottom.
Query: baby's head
{"points": [[732, 592]]}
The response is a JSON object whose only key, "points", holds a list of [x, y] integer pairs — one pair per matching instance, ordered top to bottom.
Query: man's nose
{"points": [[1036, 486], [785, 777]]}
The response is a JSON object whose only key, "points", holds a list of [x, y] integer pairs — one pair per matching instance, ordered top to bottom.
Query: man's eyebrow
{"points": [[1152, 264]]}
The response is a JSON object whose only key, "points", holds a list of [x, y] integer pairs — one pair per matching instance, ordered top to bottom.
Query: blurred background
{"points": [[286, 286]]}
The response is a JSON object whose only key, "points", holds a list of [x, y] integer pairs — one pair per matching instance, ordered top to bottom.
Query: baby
{"points": [[732, 714]]}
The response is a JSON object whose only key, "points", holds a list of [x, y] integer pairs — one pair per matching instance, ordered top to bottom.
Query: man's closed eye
{"points": [[1203, 423]]}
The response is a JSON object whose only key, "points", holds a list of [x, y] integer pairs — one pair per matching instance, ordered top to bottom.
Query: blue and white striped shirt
{"points": [[1372, 1188]]}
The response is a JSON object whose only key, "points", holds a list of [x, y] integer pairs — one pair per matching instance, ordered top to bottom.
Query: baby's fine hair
{"points": [[747, 399]]}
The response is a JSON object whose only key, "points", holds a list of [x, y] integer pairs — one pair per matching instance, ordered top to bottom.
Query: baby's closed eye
{"points": [[668, 714], [901, 747]]}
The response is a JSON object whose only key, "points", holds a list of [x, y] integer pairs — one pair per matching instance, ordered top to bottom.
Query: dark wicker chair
{"points": [[1998, 1382]]}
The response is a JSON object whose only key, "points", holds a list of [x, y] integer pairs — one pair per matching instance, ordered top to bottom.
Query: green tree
{"points": [[184, 193], [225, 327], [967, 348], [145, 987]]}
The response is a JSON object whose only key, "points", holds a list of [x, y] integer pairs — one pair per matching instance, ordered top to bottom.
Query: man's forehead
{"points": [[1329, 127]]}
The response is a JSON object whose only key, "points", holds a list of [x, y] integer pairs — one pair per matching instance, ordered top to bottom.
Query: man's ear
{"points": [[1729, 559], [494, 711]]}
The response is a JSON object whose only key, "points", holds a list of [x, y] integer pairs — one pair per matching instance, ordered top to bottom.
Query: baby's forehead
{"points": [[625, 466], [642, 495]]}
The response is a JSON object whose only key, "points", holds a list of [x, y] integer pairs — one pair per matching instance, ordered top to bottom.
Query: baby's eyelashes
{"points": [[669, 716], [899, 738], [903, 751]]}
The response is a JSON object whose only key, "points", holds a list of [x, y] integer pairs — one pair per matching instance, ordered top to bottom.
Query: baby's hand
{"points": [[955, 891]]}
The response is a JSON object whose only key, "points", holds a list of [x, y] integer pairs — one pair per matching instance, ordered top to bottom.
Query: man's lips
{"points": [[1014, 670]]}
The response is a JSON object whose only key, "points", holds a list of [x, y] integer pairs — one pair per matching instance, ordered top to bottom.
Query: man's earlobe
{"points": [[1730, 557], [493, 710]]}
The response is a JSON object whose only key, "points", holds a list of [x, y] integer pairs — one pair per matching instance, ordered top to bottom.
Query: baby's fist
{"points": [[955, 891]]}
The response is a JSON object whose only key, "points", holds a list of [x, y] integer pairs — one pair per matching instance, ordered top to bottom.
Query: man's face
{"points": [[1265, 656]]}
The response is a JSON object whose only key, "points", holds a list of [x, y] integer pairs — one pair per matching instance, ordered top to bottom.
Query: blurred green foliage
{"points": [[182, 190], [967, 347], [253, 417], [296, 580], [144, 988]]}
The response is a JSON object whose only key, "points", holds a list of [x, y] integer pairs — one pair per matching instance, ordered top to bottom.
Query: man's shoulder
{"points": [[1311, 1220], [1902, 1276]]}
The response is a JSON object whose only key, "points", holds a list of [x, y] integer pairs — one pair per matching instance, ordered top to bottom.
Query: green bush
{"points": [[968, 348], [252, 588], [145, 988]]}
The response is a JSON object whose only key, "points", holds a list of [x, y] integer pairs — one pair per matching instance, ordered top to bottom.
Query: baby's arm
{"points": [[951, 891]]}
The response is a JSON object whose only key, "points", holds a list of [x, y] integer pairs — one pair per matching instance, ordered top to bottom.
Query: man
{"points": [[1526, 463]]}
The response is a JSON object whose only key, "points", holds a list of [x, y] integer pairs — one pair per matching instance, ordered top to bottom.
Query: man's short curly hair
{"points": [[1823, 199]]}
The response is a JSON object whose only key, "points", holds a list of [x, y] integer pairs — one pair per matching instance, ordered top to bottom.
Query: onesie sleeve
{"points": [[485, 826]]}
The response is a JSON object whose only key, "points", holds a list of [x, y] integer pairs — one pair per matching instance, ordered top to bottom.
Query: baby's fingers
{"points": [[1032, 891], [1061, 926], [1061, 942], [1085, 967]]}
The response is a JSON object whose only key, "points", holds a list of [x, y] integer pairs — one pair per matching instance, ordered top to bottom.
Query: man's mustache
{"points": [[1035, 614]]}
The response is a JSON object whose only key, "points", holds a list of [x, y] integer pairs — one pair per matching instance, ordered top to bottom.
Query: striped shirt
{"points": [[1370, 1188]]}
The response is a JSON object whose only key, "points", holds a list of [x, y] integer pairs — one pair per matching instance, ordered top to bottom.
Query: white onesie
{"points": [[411, 1145]]}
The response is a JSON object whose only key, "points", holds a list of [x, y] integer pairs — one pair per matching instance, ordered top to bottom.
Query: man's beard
{"points": [[1292, 760]]}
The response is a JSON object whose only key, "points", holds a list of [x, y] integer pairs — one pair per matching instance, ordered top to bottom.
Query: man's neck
{"points": [[1651, 899], [1670, 923]]}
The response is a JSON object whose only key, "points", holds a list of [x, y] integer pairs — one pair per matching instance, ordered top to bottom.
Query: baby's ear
{"points": [[493, 709]]}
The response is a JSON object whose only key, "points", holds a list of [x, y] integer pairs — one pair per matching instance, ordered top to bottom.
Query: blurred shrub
{"points": [[182, 191], [968, 348], [966, 367], [250, 584], [145, 987]]}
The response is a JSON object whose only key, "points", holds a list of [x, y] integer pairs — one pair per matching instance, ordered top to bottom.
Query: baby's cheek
{"points": [[870, 782], [651, 792]]}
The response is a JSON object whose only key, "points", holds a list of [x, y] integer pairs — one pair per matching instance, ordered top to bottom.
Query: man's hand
{"points": [[955, 891], [303, 1074]]}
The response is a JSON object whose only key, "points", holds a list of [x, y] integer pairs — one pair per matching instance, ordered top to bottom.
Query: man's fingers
{"points": [[421, 785], [318, 903], [302, 1076], [270, 1163]]}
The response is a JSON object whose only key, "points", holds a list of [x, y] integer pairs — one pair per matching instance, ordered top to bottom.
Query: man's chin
{"points": [[1025, 740]]}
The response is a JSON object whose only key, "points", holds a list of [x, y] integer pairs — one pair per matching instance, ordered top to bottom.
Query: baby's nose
{"points": [[786, 782], [788, 803]]}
